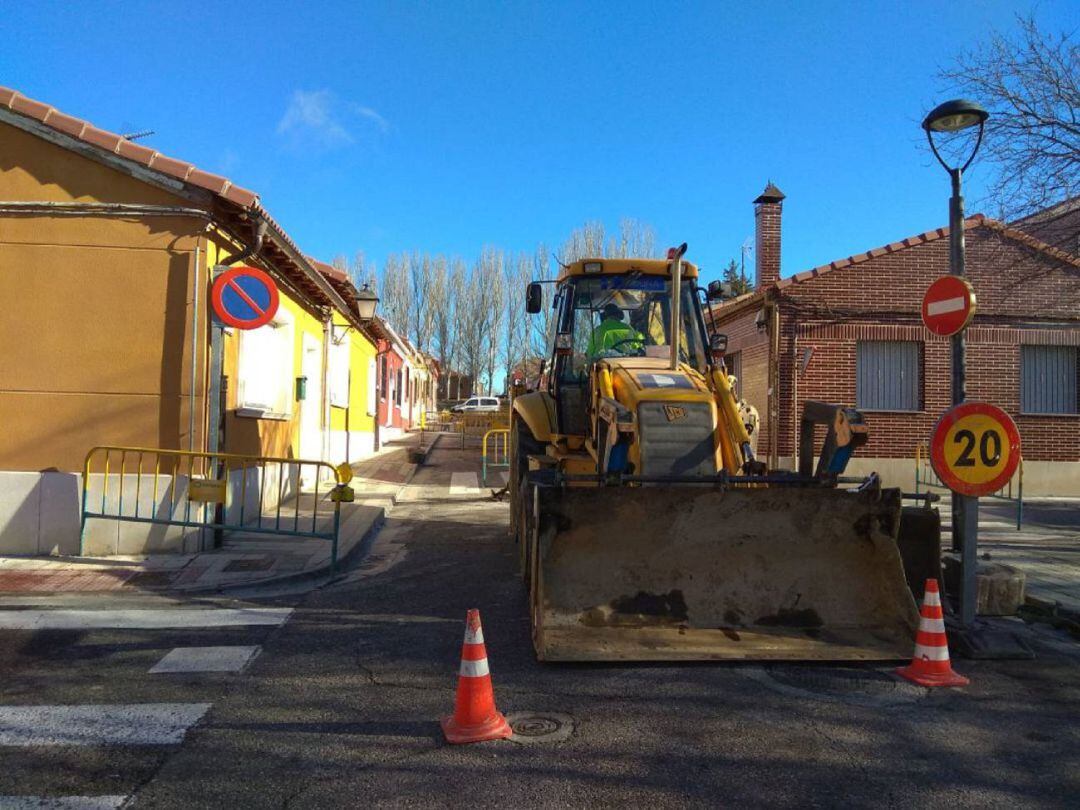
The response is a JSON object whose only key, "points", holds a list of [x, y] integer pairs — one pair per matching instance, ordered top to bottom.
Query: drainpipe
{"points": [[252, 249], [774, 382]]}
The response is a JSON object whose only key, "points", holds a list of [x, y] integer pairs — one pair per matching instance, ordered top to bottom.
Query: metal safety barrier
{"points": [[475, 425], [496, 452], [926, 477], [216, 491]]}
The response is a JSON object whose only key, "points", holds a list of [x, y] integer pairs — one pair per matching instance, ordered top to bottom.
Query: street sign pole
{"points": [[965, 509]]}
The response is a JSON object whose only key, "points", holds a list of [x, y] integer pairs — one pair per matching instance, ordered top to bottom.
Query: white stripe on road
{"points": [[948, 305], [464, 483], [140, 619], [206, 659], [104, 724], [61, 802]]}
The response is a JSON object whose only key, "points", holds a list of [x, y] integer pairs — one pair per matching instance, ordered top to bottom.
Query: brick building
{"points": [[850, 332]]}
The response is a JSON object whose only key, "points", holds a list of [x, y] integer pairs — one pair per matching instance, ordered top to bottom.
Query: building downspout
{"points": [[251, 249], [194, 346], [774, 384], [324, 405]]}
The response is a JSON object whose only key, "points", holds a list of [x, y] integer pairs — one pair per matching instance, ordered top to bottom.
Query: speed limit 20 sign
{"points": [[975, 448]]}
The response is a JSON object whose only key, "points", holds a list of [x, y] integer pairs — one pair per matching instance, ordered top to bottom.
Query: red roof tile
{"points": [[66, 123], [100, 137], [113, 142], [135, 151], [168, 165], [182, 170]]}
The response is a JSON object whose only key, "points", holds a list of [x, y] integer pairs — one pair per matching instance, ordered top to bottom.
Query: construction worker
{"points": [[613, 333]]}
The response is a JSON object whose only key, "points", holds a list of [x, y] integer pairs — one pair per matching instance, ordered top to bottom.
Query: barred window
{"points": [[887, 375], [1048, 379]]}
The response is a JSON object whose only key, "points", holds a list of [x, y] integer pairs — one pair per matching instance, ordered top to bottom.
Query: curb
{"points": [[357, 552]]}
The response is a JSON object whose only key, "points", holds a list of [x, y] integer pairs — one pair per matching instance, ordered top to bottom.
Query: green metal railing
{"points": [[200, 490]]}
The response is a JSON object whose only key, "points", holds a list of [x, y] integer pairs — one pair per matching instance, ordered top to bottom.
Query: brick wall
{"points": [[1023, 297]]}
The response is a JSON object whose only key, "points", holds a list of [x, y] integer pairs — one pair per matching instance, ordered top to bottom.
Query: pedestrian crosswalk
{"points": [[206, 659], [123, 686], [99, 724]]}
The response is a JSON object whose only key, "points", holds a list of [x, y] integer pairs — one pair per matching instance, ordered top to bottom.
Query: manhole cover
{"points": [[847, 684], [540, 727]]}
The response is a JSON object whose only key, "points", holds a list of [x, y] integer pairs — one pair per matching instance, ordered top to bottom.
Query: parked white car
{"points": [[477, 405]]}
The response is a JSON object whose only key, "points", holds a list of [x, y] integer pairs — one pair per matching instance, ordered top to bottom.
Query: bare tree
{"points": [[1030, 83], [636, 239], [583, 243], [360, 271], [518, 273], [395, 293], [421, 314], [540, 323]]}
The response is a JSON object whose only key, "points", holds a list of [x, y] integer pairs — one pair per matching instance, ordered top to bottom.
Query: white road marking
{"points": [[948, 305], [464, 483], [140, 619], [206, 659], [104, 724], [61, 802]]}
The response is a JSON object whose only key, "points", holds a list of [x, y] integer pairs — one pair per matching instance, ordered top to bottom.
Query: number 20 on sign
{"points": [[975, 448]]}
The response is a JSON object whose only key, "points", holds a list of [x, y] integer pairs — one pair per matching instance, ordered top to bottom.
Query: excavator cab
{"points": [[647, 529]]}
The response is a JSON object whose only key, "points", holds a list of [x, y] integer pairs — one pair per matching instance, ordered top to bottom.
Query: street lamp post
{"points": [[954, 116], [366, 301]]}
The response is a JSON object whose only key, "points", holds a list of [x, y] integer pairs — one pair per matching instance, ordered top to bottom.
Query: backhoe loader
{"points": [[648, 530]]}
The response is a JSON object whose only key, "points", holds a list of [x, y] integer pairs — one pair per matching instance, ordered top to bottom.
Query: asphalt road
{"points": [[341, 706]]}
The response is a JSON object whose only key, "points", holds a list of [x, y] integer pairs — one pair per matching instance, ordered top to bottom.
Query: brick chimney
{"points": [[767, 209]]}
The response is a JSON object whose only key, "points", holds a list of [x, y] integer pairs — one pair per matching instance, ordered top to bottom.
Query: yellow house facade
{"points": [[107, 253]]}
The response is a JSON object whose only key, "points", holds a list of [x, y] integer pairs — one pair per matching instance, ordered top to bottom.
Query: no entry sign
{"points": [[244, 297], [948, 306], [975, 448]]}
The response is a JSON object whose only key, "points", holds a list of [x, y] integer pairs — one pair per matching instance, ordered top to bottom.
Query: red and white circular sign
{"points": [[948, 306], [975, 448]]}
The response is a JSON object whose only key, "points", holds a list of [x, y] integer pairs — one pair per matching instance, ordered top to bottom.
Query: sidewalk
{"points": [[1046, 547], [245, 559]]}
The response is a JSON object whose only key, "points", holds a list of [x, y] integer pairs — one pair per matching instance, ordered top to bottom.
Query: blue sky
{"points": [[448, 126]]}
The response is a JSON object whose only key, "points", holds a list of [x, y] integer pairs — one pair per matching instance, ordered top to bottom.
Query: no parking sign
{"points": [[244, 297]]}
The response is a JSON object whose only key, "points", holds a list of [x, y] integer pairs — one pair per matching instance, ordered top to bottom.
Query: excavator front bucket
{"points": [[684, 572]]}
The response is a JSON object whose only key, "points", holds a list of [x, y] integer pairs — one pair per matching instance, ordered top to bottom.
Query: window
{"points": [[733, 362], [339, 369], [265, 374], [887, 375], [382, 378], [1048, 379], [397, 388], [372, 405]]}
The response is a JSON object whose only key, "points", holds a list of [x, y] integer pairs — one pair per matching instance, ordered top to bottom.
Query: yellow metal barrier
{"points": [[475, 425], [496, 453], [229, 490]]}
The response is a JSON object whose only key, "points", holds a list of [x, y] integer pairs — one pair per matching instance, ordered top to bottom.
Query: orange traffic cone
{"points": [[930, 665], [475, 717]]}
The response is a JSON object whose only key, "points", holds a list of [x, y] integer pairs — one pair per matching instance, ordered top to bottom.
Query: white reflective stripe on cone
{"points": [[932, 599], [932, 625], [474, 637], [929, 653], [474, 669]]}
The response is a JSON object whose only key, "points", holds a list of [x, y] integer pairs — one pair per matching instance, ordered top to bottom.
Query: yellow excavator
{"points": [[647, 529]]}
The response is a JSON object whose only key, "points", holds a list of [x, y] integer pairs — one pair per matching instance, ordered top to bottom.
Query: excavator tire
{"points": [[522, 445]]}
